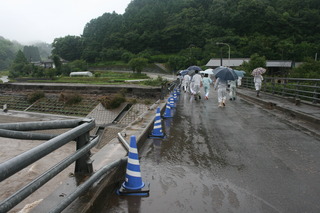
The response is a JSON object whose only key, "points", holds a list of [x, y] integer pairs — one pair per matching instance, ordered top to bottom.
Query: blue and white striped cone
{"points": [[178, 91], [175, 97], [169, 101], [172, 104], [167, 113], [157, 128], [133, 184]]}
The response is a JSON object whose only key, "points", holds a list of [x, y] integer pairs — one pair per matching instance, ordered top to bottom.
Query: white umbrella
{"points": [[207, 71], [258, 71]]}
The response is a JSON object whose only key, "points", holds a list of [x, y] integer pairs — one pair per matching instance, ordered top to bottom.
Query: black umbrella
{"points": [[194, 68], [225, 73]]}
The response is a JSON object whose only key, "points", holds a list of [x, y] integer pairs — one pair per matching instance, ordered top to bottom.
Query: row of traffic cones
{"points": [[171, 104], [133, 184]]}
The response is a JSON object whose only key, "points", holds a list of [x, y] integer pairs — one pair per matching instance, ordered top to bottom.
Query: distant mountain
{"points": [[277, 29], [9, 49]]}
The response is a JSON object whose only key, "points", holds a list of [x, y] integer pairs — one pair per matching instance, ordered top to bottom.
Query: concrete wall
{"points": [[133, 90]]}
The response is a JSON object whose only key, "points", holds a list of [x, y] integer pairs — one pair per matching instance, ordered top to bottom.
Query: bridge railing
{"points": [[297, 88], [80, 133]]}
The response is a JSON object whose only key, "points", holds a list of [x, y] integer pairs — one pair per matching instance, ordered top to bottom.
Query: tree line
{"points": [[190, 29], [181, 33], [9, 51]]}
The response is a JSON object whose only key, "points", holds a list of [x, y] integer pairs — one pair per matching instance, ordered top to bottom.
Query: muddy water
{"points": [[12, 147], [233, 159]]}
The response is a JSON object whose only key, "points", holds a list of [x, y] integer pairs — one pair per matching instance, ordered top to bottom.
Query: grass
{"points": [[4, 73], [101, 78], [107, 78]]}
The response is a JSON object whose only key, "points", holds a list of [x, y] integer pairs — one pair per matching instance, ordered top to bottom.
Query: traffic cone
{"points": [[178, 91], [175, 97], [172, 104], [167, 113], [157, 128], [133, 184]]}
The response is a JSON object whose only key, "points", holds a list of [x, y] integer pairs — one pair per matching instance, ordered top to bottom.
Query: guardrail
{"points": [[297, 88], [81, 157], [83, 165]]}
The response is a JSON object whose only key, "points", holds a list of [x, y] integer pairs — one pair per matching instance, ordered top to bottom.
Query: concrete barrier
{"points": [[131, 90], [107, 185]]}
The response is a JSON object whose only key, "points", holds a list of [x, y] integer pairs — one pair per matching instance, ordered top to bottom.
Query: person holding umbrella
{"points": [[257, 73], [223, 75], [197, 83], [258, 83], [221, 85]]}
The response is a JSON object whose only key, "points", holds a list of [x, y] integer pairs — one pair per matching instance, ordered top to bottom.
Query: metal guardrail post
{"points": [[273, 86], [163, 92], [315, 94], [296, 95], [83, 164]]}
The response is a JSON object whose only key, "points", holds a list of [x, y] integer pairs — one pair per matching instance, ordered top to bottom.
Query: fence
{"points": [[297, 88], [80, 133]]}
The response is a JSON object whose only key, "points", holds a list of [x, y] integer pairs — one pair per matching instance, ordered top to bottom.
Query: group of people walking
{"points": [[193, 85]]}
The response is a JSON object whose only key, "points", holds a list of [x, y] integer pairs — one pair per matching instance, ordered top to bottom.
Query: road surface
{"points": [[240, 158]]}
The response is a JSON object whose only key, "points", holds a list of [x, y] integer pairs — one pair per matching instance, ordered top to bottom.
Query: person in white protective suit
{"points": [[206, 81], [186, 82], [197, 83], [258, 83], [221, 85], [233, 90]]}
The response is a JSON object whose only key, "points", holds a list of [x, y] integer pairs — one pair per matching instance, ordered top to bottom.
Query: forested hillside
{"points": [[276, 29], [9, 49]]}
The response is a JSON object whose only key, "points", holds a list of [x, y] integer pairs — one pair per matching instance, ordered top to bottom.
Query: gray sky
{"points": [[26, 21]]}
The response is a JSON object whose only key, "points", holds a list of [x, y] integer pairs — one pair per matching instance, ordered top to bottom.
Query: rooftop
{"points": [[234, 62]]}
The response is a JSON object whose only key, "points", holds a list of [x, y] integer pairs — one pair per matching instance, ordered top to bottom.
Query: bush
{"points": [[137, 64], [97, 74], [159, 81], [33, 97], [70, 98], [112, 101]]}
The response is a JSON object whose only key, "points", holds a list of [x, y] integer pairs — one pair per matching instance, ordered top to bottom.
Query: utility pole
{"points": [[219, 43]]}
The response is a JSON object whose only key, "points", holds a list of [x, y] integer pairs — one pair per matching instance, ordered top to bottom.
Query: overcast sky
{"points": [[26, 21]]}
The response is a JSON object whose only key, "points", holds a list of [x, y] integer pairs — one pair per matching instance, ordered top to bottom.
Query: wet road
{"points": [[239, 158]]}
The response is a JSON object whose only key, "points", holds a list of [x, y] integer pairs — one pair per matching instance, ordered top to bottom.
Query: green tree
{"points": [[282, 29], [68, 47], [8, 52], [31, 53], [255, 61], [178, 62], [57, 63], [137, 64], [78, 65], [20, 66], [309, 69]]}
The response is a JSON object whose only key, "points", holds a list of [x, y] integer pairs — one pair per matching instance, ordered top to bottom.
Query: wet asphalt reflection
{"points": [[239, 158]]}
